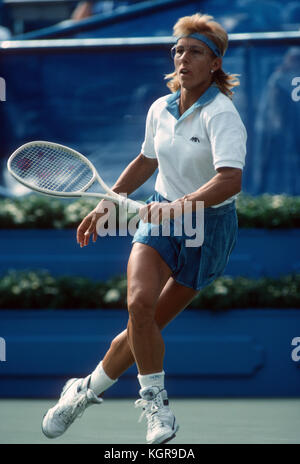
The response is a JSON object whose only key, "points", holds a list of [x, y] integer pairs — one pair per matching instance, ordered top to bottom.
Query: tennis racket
{"points": [[56, 170]]}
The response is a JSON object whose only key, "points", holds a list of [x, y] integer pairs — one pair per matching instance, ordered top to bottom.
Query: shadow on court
{"points": [[202, 421]]}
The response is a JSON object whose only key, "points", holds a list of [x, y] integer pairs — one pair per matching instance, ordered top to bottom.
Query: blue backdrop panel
{"points": [[95, 97], [95, 101], [274, 154], [257, 253], [233, 353]]}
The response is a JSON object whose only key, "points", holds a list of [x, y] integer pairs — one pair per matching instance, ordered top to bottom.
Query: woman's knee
{"points": [[141, 311]]}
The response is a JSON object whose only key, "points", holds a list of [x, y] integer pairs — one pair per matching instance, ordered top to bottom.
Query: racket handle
{"points": [[127, 203]]}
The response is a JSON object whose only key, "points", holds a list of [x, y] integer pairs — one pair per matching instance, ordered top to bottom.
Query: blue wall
{"points": [[94, 97], [257, 253], [239, 353]]}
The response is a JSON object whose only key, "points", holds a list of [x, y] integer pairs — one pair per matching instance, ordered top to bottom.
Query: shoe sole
{"points": [[165, 439]]}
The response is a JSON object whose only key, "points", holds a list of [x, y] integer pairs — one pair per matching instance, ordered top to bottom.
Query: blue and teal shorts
{"points": [[194, 267]]}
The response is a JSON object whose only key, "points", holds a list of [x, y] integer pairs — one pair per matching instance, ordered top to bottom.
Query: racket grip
{"points": [[131, 205]]}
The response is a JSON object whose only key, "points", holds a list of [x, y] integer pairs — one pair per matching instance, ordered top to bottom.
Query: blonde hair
{"points": [[204, 24]]}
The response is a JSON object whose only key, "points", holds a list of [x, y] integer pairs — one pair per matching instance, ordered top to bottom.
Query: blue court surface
{"points": [[202, 421]]}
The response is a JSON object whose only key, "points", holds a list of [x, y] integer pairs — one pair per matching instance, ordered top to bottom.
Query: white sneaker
{"points": [[76, 396], [162, 425]]}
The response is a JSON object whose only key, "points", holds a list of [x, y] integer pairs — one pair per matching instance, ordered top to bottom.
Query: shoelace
{"points": [[143, 404], [77, 408], [152, 412]]}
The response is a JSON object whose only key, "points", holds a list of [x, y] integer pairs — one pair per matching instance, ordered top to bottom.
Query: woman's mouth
{"points": [[184, 72]]}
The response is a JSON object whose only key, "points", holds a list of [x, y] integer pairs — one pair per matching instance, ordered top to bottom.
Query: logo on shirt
{"points": [[195, 139]]}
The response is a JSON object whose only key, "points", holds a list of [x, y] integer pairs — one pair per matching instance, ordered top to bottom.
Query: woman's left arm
{"points": [[227, 135], [226, 183]]}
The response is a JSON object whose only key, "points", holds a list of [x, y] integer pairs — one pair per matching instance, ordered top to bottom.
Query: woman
{"points": [[197, 140]]}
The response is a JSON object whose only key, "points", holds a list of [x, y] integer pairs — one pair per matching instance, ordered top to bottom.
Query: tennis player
{"points": [[197, 141]]}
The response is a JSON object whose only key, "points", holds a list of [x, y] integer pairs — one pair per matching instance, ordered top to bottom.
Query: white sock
{"points": [[152, 380], [100, 381]]}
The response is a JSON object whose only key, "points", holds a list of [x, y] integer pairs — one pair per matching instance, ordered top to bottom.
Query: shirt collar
{"points": [[206, 97]]}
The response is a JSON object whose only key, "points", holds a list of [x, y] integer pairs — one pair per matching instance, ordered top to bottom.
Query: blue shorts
{"points": [[195, 267]]}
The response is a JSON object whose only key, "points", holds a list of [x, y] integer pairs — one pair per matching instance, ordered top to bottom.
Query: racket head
{"points": [[52, 169]]}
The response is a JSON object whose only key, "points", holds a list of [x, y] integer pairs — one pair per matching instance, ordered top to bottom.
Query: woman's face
{"points": [[194, 62]]}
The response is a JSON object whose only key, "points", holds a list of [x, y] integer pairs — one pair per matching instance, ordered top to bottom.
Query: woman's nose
{"points": [[185, 55]]}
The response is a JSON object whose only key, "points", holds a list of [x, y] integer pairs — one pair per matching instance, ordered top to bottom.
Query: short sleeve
{"points": [[228, 137], [148, 148]]}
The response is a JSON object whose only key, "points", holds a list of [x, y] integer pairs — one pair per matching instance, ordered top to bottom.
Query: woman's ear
{"points": [[216, 64]]}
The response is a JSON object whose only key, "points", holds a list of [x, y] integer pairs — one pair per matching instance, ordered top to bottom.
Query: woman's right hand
{"points": [[88, 226]]}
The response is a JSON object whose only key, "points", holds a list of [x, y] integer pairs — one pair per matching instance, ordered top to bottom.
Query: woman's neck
{"points": [[189, 97]]}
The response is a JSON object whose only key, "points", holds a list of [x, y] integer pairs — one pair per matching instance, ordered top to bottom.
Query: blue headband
{"points": [[204, 39]]}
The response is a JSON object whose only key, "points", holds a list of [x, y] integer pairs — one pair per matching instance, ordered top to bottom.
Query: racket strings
{"points": [[51, 168]]}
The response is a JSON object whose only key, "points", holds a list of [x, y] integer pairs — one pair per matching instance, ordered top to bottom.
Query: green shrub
{"points": [[37, 211], [269, 211], [41, 212], [40, 290], [241, 292]]}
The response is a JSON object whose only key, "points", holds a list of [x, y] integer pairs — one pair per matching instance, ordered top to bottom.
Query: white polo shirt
{"points": [[191, 147]]}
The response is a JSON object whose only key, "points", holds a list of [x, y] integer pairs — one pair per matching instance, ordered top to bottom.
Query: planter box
{"points": [[258, 252], [237, 353]]}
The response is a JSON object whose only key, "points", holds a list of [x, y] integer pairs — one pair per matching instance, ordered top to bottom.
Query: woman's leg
{"points": [[147, 274], [172, 300]]}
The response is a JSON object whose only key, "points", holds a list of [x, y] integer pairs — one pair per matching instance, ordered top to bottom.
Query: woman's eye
{"points": [[193, 51]]}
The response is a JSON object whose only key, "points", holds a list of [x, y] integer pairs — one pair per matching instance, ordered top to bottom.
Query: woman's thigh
{"points": [[147, 274], [151, 286]]}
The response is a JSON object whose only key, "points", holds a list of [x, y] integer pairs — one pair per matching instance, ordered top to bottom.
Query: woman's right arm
{"points": [[133, 176]]}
